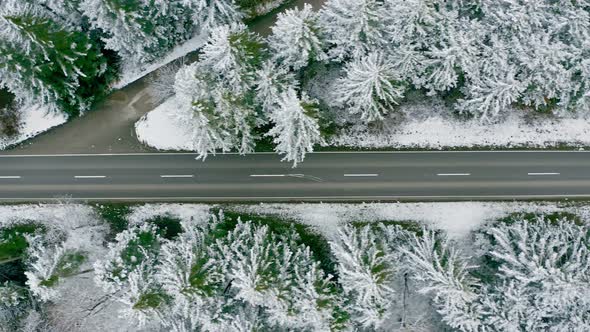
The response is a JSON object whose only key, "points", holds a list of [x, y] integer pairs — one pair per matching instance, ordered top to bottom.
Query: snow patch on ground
{"points": [[131, 72], [34, 119], [438, 129], [159, 130], [197, 213], [458, 219]]}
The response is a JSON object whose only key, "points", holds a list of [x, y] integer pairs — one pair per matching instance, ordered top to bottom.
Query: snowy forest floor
{"points": [[82, 306]]}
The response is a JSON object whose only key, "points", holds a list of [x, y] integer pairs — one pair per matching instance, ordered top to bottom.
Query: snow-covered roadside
{"points": [[131, 72], [34, 120], [431, 126], [159, 130], [457, 219]]}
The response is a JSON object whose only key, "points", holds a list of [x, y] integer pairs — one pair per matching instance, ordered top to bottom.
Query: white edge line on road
{"points": [[266, 153], [548, 173], [453, 174], [267, 175], [360, 175], [90, 176], [178, 176], [10, 177], [210, 198]]}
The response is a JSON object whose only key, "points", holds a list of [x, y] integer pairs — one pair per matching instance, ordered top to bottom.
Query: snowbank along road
{"points": [[327, 176]]}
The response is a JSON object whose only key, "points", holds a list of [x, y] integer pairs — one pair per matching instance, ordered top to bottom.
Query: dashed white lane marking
{"points": [[548, 173], [453, 174], [268, 175], [360, 175], [90, 176], [178, 176], [10, 177]]}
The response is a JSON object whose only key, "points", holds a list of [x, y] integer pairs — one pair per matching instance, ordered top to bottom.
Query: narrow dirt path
{"points": [[109, 128]]}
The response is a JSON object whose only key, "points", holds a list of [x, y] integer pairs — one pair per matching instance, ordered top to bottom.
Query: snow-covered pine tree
{"points": [[208, 14], [354, 27], [139, 30], [296, 38], [431, 42], [541, 44], [232, 54], [44, 62], [272, 79], [369, 87], [211, 116], [296, 129], [134, 248], [367, 272], [444, 274], [540, 274], [223, 276], [275, 277]]}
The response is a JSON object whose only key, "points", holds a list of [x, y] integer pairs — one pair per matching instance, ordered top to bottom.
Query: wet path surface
{"points": [[109, 128]]}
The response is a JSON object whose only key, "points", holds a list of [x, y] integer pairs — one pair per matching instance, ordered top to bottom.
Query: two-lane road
{"points": [[330, 176]]}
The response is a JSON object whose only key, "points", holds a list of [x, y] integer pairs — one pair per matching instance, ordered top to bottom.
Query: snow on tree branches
{"points": [[295, 39], [370, 87], [296, 129]]}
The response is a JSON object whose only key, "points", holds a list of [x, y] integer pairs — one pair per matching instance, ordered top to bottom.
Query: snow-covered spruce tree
{"points": [[208, 14], [354, 27], [139, 30], [296, 38], [432, 42], [544, 47], [232, 54], [44, 62], [272, 79], [369, 87], [212, 117], [295, 127], [136, 247], [367, 271], [541, 272], [442, 273], [277, 278]]}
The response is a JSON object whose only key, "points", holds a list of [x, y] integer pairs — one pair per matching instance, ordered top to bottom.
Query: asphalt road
{"points": [[351, 176]]}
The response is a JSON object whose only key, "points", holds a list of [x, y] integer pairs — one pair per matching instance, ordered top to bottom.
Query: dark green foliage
{"points": [[249, 6], [67, 64], [115, 215], [531, 217], [407, 225], [168, 226], [13, 243], [318, 244], [136, 250], [70, 263], [13, 271], [151, 300]]}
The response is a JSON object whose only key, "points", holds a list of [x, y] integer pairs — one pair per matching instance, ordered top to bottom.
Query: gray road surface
{"points": [[322, 177]]}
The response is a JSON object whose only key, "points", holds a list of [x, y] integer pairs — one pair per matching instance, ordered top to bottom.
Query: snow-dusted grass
{"points": [[131, 72], [34, 120], [430, 125]]}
